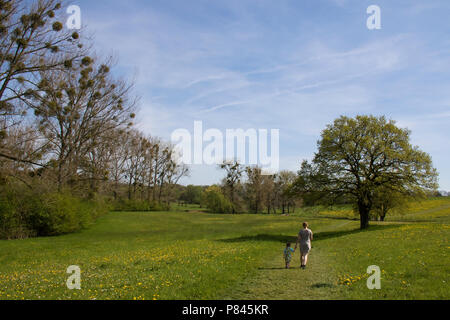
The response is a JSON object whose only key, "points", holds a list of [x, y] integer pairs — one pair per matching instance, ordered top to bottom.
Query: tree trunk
{"points": [[59, 177], [116, 184], [129, 188], [160, 192], [232, 200], [364, 206], [364, 215]]}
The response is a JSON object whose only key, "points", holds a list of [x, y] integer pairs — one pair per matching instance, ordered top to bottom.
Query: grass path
{"points": [[339, 259], [274, 282]]}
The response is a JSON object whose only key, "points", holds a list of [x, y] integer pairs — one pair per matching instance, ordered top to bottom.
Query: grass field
{"points": [[195, 255]]}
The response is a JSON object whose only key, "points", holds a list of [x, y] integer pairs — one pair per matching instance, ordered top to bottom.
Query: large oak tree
{"points": [[358, 157]]}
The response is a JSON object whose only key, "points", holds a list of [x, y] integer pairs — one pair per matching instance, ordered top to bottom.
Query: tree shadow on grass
{"points": [[317, 236]]}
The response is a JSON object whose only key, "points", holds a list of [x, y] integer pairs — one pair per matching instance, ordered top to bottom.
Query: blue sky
{"points": [[288, 65]]}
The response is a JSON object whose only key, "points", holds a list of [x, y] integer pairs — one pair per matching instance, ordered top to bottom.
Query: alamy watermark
{"points": [[74, 20], [374, 20], [249, 147], [74, 281], [374, 281]]}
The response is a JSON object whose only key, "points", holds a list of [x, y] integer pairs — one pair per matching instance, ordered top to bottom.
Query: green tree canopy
{"points": [[359, 156], [192, 194], [216, 202]]}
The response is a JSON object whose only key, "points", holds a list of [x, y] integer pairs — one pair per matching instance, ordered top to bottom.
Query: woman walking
{"points": [[305, 236]]}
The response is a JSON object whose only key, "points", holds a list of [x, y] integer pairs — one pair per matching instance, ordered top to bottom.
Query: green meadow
{"points": [[189, 254]]}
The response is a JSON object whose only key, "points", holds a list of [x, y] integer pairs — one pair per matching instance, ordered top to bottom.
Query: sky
{"points": [[288, 65]]}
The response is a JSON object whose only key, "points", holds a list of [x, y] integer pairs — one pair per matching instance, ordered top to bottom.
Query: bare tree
{"points": [[32, 40], [75, 107], [234, 172], [284, 180], [254, 188]]}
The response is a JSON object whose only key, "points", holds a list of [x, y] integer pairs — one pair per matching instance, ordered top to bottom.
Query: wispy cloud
{"points": [[291, 65]]}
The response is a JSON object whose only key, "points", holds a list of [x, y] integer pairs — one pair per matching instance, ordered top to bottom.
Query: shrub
{"points": [[216, 202], [29, 213], [12, 225]]}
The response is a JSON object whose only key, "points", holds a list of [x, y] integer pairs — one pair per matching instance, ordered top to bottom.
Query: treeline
{"points": [[68, 149], [143, 172], [246, 190]]}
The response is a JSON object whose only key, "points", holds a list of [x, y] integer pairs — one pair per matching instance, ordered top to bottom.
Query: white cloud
{"points": [[234, 72]]}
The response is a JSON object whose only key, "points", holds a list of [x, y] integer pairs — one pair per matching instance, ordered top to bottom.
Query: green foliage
{"points": [[360, 156], [254, 188], [192, 194], [386, 201], [216, 202], [134, 205], [28, 213], [11, 224]]}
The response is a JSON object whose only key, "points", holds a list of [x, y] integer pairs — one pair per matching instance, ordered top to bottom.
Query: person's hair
{"points": [[305, 224], [288, 244]]}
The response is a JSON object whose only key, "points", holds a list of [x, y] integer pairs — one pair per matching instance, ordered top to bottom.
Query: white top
{"points": [[305, 237]]}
